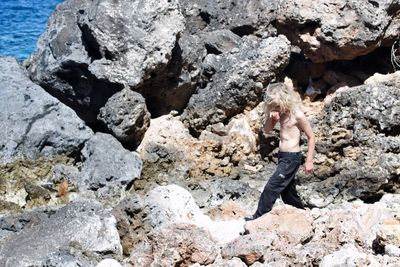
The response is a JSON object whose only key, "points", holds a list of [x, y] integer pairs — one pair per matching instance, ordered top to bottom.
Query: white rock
{"points": [[173, 204], [348, 256], [109, 263]]}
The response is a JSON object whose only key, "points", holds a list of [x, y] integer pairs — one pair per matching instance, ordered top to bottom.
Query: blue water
{"points": [[21, 23]]}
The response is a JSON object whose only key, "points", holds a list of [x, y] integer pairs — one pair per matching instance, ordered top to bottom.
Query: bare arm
{"points": [[272, 119], [305, 126]]}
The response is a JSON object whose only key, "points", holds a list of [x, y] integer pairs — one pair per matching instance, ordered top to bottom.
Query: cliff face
{"points": [[129, 97]]}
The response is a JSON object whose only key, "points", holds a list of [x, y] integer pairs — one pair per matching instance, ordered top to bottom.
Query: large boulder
{"points": [[242, 18], [328, 30], [91, 50], [237, 80], [33, 123], [357, 146], [107, 169], [84, 226]]}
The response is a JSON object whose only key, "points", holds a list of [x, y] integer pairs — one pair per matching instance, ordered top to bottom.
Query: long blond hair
{"points": [[280, 94]]}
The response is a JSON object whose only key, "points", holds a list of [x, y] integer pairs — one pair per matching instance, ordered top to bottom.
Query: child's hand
{"points": [[274, 115], [308, 167]]}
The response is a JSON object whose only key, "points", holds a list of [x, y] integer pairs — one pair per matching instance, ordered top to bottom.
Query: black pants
{"points": [[282, 183]]}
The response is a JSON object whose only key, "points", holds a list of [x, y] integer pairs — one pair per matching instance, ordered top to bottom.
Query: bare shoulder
{"points": [[300, 116]]}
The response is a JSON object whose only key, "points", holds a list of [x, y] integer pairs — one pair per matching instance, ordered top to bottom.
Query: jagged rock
{"points": [[242, 18], [329, 30], [89, 51], [238, 81], [126, 116], [34, 123], [357, 143], [107, 169], [85, 225], [177, 244], [249, 248]]}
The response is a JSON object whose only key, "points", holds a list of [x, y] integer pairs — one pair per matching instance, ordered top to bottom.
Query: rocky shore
{"points": [[131, 137]]}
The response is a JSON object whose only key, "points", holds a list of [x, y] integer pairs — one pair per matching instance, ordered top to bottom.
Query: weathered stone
{"points": [[242, 18], [329, 30], [91, 50], [238, 81], [126, 116], [34, 123], [357, 143], [107, 169], [173, 204], [131, 222], [290, 224], [86, 225], [181, 244], [249, 248], [348, 256]]}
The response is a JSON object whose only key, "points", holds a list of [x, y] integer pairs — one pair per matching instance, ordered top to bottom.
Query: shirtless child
{"points": [[283, 106]]}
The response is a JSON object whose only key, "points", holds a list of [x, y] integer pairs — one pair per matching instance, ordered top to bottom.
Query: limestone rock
{"points": [[290, 224], [181, 244]]}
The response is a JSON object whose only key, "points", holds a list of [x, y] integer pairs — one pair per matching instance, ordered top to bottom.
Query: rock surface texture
{"points": [[155, 110]]}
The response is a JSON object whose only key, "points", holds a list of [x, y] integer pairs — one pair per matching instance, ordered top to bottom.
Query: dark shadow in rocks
{"points": [[243, 30], [329, 76], [165, 90], [84, 93]]}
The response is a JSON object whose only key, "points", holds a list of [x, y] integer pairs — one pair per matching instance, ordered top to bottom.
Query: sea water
{"points": [[21, 23]]}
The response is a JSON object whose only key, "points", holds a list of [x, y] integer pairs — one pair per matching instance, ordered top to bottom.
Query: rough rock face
{"points": [[242, 18], [328, 30], [91, 50], [237, 80], [126, 116], [34, 123], [358, 144], [107, 169], [85, 226], [176, 245]]}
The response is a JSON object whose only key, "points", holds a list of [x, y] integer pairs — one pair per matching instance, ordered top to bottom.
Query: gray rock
{"points": [[242, 18], [336, 30], [220, 41], [91, 50], [238, 81], [126, 116], [34, 123], [357, 146], [107, 169], [86, 226]]}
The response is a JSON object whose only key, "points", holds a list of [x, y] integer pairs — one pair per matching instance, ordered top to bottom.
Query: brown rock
{"points": [[289, 223], [176, 245]]}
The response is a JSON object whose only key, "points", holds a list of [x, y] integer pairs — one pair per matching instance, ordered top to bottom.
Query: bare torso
{"points": [[289, 133]]}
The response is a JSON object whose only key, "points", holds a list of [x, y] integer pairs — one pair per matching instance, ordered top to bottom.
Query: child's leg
{"points": [[284, 175], [290, 196]]}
